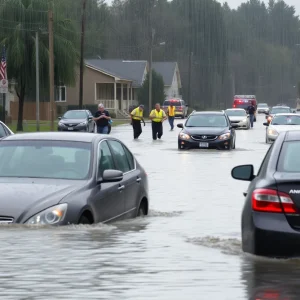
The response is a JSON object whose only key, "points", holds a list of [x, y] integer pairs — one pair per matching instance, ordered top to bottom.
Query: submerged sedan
{"points": [[238, 116], [280, 123], [54, 178], [271, 213]]}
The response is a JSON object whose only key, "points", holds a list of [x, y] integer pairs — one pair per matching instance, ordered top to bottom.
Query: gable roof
{"points": [[123, 69], [166, 70]]}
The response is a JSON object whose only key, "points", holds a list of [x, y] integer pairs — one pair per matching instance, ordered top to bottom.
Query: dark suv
{"points": [[207, 129]]}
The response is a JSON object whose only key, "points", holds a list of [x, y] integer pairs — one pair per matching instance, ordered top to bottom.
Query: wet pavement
{"points": [[187, 248]]}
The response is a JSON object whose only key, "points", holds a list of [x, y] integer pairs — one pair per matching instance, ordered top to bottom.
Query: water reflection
{"points": [[267, 279]]}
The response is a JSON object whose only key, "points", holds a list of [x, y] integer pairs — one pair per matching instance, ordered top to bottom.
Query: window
{"points": [[60, 94], [174, 102], [235, 112], [75, 114], [206, 120], [286, 120], [2, 131], [120, 156], [289, 157], [105, 158], [130, 158], [45, 159]]}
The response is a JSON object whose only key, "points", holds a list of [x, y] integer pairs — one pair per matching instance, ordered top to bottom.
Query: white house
{"points": [[171, 76]]}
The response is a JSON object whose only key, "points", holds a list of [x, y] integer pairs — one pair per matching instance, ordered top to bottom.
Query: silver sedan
{"points": [[238, 116]]}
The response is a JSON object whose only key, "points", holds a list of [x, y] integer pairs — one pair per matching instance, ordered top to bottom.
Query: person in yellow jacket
{"points": [[171, 115], [157, 116], [136, 118]]}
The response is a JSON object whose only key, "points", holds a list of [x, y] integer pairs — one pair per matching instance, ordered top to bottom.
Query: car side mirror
{"points": [[59, 118], [90, 118], [266, 124], [180, 125], [243, 172], [111, 176]]}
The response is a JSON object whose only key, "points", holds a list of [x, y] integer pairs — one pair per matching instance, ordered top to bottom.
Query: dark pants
{"points": [[251, 120], [171, 121], [137, 128], [102, 129], [109, 129], [157, 130]]}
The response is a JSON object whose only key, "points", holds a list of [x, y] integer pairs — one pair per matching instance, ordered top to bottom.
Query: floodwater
{"points": [[187, 248]]}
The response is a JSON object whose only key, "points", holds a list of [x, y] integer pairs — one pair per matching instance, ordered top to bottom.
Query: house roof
{"points": [[123, 69], [166, 70]]}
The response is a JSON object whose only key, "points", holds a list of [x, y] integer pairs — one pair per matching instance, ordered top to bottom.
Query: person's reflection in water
{"points": [[267, 279]]}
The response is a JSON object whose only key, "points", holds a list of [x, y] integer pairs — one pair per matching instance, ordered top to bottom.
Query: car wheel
{"points": [[182, 117], [142, 210], [84, 220]]}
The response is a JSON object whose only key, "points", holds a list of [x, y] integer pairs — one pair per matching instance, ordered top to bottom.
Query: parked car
{"points": [[181, 108], [263, 108], [277, 110], [238, 116], [76, 120], [280, 123], [4, 130], [207, 130], [56, 178], [271, 213]]}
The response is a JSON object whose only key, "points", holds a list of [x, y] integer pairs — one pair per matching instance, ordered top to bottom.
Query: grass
{"points": [[30, 126]]}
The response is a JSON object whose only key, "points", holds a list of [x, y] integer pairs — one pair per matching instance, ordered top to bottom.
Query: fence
{"points": [[29, 112]]}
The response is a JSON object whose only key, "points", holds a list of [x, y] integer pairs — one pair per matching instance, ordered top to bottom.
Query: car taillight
{"points": [[234, 105], [267, 200]]}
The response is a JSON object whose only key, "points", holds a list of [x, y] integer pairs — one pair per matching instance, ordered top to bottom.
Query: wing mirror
{"points": [[59, 118], [90, 118], [266, 124], [180, 125], [243, 172], [110, 176]]}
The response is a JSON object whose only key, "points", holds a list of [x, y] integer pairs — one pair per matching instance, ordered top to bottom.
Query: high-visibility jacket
{"points": [[171, 111], [137, 114], [159, 115]]}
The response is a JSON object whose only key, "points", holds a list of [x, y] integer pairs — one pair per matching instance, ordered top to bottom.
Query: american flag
{"points": [[3, 65]]}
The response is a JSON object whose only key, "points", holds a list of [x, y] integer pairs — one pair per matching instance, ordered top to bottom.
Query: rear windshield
{"points": [[175, 103], [289, 157]]}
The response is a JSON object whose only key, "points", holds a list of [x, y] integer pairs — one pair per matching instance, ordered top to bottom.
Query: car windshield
{"points": [[175, 103], [262, 105], [280, 110], [237, 113], [74, 114], [206, 120], [286, 120], [289, 157], [45, 159]]}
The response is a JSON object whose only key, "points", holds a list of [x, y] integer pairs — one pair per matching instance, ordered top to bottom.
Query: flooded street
{"points": [[187, 248]]}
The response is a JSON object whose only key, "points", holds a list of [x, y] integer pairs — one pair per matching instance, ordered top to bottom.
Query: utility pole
{"points": [[82, 55], [51, 64], [150, 69], [37, 74]]}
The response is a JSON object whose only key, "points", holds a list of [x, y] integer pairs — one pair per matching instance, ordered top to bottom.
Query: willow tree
{"points": [[20, 20]]}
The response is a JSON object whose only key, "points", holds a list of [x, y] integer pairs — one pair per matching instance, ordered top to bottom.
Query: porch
{"points": [[116, 96]]}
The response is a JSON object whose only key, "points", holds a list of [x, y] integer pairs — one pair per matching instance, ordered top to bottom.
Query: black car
{"points": [[77, 120], [209, 129], [57, 178], [271, 214]]}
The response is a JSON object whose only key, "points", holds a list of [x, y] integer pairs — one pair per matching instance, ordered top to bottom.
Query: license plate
{"points": [[70, 128], [203, 145]]}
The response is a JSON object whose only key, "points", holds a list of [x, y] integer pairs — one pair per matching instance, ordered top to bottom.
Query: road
{"points": [[187, 248]]}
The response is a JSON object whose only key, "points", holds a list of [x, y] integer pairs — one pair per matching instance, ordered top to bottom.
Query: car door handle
{"points": [[138, 179], [121, 187], [245, 194]]}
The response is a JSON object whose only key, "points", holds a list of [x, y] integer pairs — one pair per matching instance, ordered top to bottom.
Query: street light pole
{"points": [[82, 55], [37, 62], [150, 69]]}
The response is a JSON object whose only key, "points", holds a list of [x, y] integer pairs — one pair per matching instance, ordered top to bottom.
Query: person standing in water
{"points": [[157, 116]]}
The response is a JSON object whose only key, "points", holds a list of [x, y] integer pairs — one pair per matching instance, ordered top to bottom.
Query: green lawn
{"points": [[30, 126]]}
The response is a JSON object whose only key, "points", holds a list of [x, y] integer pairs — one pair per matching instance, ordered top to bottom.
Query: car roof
{"points": [[208, 113], [293, 135], [55, 136]]}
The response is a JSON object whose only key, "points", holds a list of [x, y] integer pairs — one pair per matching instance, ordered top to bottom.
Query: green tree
{"points": [[22, 18], [158, 91]]}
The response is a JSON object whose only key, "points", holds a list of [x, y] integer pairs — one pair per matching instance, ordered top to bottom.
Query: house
{"points": [[171, 76], [109, 81]]}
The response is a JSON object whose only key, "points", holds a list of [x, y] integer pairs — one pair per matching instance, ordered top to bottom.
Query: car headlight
{"points": [[245, 120], [83, 123], [61, 124], [272, 132], [184, 136], [225, 136], [49, 216]]}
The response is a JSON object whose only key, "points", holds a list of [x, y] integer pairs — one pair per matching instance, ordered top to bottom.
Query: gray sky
{"points": [[236, 3]]}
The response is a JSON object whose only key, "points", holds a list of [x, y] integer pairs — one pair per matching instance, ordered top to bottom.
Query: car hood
{"points": [[237, 118], [72, 121], [282, 128], [206, 130], [23, 198]]}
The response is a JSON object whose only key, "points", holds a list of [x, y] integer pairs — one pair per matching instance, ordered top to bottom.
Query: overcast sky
{"points": [[236, 3]]}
